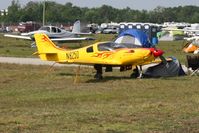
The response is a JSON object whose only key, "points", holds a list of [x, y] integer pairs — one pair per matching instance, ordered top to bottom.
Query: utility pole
{"points": [[44, 11]]}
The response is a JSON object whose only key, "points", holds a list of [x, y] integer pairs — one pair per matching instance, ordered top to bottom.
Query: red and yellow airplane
{"points": [[100, 54]]}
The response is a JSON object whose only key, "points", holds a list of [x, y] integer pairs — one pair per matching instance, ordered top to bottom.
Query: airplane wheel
{"points": [[135, 73], [98, 76]]}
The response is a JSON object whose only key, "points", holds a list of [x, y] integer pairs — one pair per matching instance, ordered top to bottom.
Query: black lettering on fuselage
{"points": [[72, 55]]}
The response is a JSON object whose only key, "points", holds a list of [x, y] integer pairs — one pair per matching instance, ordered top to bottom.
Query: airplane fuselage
{"points": [[108, 54], [93, 55]]}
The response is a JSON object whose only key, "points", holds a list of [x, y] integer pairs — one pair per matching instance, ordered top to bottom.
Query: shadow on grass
{"points": [[73, 74], [108, 78], [181, 78], [93, 80], [114, 131]]}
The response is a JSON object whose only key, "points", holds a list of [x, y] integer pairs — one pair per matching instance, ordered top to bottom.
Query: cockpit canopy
{"points": [[51, 29], [110, 46]]}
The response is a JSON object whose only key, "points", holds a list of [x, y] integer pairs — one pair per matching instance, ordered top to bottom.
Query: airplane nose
{"points": [[156, 52]]}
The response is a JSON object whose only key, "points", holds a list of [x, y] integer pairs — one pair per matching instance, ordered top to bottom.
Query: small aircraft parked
{"points": [[187, 31], [55, 34], [191, 38], [192, 46], [100, 54]]}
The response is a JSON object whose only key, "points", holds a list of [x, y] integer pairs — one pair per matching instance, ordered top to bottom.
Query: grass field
{"points": [[35, 99]]}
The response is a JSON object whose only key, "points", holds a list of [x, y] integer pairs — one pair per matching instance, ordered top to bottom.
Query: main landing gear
{"points": [[137, 72], [98, 74]]}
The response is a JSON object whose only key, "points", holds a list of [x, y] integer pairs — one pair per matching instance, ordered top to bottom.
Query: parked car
{"points": [[110, 31]]}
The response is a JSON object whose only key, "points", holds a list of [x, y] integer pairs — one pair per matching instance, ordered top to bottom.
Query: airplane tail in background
{"points": [[76, 27], [47, 50]]}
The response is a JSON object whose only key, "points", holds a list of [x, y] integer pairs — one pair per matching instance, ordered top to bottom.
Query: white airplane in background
{"points": [[55, 34], [192, 34], [196, 37]]}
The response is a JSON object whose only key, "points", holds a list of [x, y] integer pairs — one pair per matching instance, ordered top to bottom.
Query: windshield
{"points": [[45, 28], [110, 46]]}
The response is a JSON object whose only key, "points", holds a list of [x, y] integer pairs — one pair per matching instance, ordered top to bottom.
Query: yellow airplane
{"points": [[100, 54]]}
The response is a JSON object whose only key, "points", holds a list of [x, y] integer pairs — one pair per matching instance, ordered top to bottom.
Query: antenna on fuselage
{"points": [[44, 11]]}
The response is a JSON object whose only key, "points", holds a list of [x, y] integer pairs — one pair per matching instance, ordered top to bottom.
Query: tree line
{"points": [[68, 13]]}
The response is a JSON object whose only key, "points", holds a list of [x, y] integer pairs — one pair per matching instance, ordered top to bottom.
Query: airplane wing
{"points": [[174, 29], [196, 30], [18, 36], [191, 38], [53, 39], [72, 39]]}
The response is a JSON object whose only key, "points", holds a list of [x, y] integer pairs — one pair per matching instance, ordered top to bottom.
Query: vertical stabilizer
{"points": [[76, 27], [44, 44], [47, 50]]}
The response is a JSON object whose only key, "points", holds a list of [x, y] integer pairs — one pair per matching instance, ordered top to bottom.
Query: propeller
{"points": [[159, 53]]}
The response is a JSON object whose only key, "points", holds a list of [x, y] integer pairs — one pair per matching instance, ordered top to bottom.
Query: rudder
{"points": [[76, 27], [44, 44], [47, 50]]}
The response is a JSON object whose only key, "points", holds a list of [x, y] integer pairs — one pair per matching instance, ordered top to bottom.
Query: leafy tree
{"points": [[14, 12], [32, 12], [68, 13], [195, 17]]}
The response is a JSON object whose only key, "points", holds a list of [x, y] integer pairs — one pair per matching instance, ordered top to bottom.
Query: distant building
{"points": [[4, 12]]}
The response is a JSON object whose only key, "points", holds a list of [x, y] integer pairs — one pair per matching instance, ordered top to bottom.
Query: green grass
{"points": [[15, 47], [36, 100]]}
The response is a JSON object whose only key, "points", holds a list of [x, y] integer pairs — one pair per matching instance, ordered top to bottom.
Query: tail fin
{"points": [[76, 27], [44, 44], [47, 50]]}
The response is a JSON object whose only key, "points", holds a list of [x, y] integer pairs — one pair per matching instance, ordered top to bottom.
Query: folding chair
{"points": [[193, 63]]}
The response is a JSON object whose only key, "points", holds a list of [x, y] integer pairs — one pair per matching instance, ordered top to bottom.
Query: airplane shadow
{"points": [[72, 74], [118, 77], [108, 78], [93, 80]]}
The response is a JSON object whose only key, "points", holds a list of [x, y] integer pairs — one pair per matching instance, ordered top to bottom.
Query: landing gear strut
{"points": [[137, 72], [140, 73], [98, 74]]}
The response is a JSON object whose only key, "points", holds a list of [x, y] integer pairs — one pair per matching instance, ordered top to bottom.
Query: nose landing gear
{"points": [[98, 74]]}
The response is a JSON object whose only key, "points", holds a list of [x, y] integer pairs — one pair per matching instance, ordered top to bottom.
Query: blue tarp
{"points": [[139, 34]]}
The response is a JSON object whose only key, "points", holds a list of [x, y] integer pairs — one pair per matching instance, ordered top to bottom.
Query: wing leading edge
{"points": [[18, 36], [65, 39]]}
